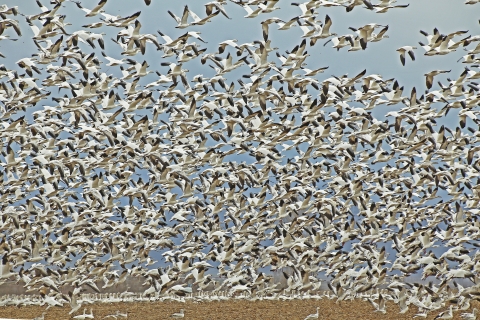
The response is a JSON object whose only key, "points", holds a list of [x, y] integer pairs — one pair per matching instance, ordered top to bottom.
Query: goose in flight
{"points": [[353, 3], [215, 5], [268, 6], [307, 8], [385, 9], [5, 10], [96, 10], [250, 12], [201, 21], [182, 22], [4, 24], [265, 24], [282, 25], [324, 33], [365, 33], [381, 35], [341, 42], [223, 45], [406, 49], [112, 61], [28, 64], [429, 77], [172, 150], [6, 266], [380, 306], [446, 314]]}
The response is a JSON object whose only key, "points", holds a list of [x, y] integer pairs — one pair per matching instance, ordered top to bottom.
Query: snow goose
{"points": [[325, 3], [354, 3], [215, 5], [268, 6], [98, 8], [307, 9], [385, 9], [5, 10], [250, 12], [199, 21], [182, 22], [11, 23], [265, 24], [282, 25], [49, 29], [324, 33], [365, 33], [381, 35], [88, 37], [355, 44], [223, 45], [406, 49], [28, 64], [226, 65], [311, 73], [429, 77], [6, 266], [50, 301], [73, 302], [380, 306], [422, 313], [446, 314], [85, 315], [117, 315], [178, 315], [313, 315], [470, 316]]}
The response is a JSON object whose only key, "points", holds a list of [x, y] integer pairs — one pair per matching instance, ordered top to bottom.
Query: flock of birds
{"points": [[280, 170]]}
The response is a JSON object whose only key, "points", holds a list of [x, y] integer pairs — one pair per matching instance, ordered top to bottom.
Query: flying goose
{"points": [[215, 5], [384, 9], [96, 10], [201, 21], [182, 22], [406, 49], [429, 77], [380, 306], [446, 314]]}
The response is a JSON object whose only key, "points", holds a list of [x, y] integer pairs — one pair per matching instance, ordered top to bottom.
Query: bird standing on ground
{"points": [[178, 315], [313, 315]]}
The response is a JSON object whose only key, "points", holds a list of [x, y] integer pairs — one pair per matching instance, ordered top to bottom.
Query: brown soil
{"points": [[234, 309]]}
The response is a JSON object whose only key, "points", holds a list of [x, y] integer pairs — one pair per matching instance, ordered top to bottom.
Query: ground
{"points": [[233, 309]]}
